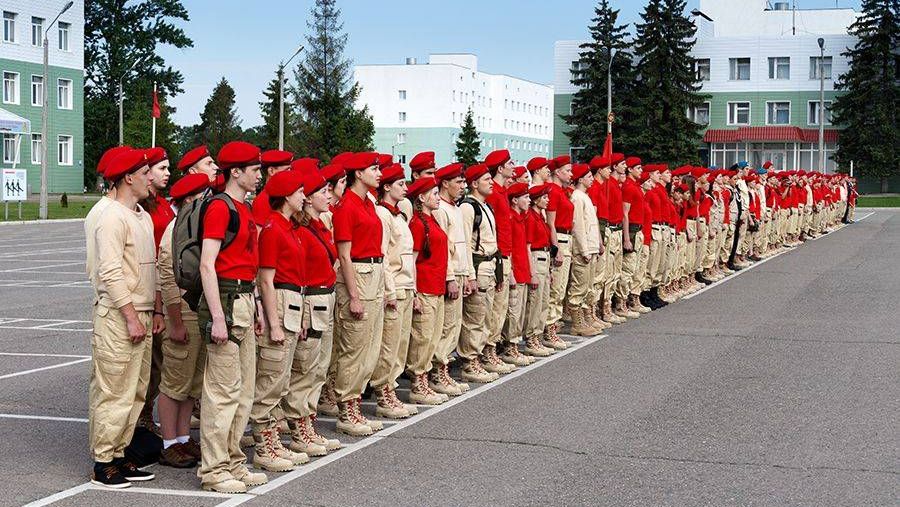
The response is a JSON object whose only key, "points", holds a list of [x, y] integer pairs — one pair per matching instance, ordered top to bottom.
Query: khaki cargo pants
{"points": [[613, 268], [629, 268], [560, 278], [538, 301], [500, 306], [515, 316], [427, 326], [474, 333], [449, 338], [359, 341], [395, 342], [311, 357], [183, 363], [120, 372]]}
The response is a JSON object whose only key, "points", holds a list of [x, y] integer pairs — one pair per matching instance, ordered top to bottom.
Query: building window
{"points": [[9, 26], [37, 31], [63, 32], [701, 67], [780, 67], [814, 67], [576, 69], [739, 69], [11, 87], [37, 91], [64, 94], [402, 94], [454, 95], [813, 112], [739, 113], [778, 113], [700, 114], [402, 118], [401, 137], [36, 148], [65, 150], [10, 155], [401, 159]]}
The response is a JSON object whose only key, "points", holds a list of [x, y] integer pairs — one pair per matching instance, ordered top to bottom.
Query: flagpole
{"points": [[153, 136]]}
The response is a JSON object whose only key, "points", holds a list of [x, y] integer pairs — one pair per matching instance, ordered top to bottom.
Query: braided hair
{"points": [[426, 242]]}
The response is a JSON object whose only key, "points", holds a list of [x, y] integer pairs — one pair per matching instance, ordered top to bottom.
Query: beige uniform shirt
{"points": [[745, 196], [449, 217], [90, 227], [585, 227], [488, 244], [397, 245], [125, 258]]}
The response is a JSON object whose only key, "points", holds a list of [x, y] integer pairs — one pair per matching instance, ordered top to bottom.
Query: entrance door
{"points": [[777, 157]]}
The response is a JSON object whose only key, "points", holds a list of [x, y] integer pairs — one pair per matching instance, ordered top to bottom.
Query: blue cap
{"points": [[742, 164], [761, 171]]}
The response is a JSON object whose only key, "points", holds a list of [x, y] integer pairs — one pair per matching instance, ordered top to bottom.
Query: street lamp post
{"points": [[821, 42], [281, 98], [45, 115]]}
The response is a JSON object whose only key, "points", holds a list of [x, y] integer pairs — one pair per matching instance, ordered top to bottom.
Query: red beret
{"points": [[238, 154], [108, 155], [156, 155], [192, 157], [276, 157], [341, 158], [496, 158], [616, 158], [362, 160], [385, 160], [562, 160], [422, 161], [599, 161], [632, 161], [124, 163], [537, 163], [767, 164], [305, 165], [662, 168], [579, 170], [682, 170], [476, 171], [518, 171], [332, 172], [449, 172], [698, 172], [392, 173], [644, 176], [312, 182], [284, 183], [189, 184], [218, 184], [420, 186], [684, 187], [517, 190], [539, 190]]}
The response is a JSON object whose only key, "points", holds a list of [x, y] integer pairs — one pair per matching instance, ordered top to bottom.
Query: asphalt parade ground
{"points": [[778, 386]]}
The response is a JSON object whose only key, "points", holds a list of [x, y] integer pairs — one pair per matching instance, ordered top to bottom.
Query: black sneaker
{"points": [[131, 472], [108, 474]]}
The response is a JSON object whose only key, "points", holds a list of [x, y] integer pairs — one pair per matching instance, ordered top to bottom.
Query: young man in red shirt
{"points": [[560, 214], [632, 239], [520, 277], [538, 304]]}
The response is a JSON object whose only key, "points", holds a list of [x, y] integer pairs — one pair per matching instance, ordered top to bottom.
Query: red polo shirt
{"points": [[597, 193], [632, 194], [726, 199], [614, 200], [499, 203], [706, 203], [562, 205], [261, 208], [161, 216], [356, 221], [647, 225], [537, 230], [279, 248], [319, 254], [521, 256], [240, 259], [431, 273]]}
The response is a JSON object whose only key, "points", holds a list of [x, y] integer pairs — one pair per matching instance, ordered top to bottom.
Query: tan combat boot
{"points": [[634, 304], [622, 310], [587, 315], [596, 320], [534, 347], [512, 355], [492, 363], [474, 372], [440, 382], [420, 392], [328, 403], [388, 405], [350, 422], [375, 424], [301, 441], [331, 444], [265, 456], [295, 457], [250, 479], [228, 486]]}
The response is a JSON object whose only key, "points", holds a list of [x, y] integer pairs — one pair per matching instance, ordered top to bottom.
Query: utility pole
{"points": [[821, 42], [281, 98], [45, 116]]}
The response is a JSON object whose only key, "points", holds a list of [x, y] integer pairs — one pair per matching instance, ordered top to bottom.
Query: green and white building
{"points": [[759, 63], [21, 65], [421, 107]]}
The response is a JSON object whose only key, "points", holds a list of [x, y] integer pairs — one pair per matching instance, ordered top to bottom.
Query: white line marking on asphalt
{"points": [[860, 219], [22, 246], [8, 255], [38, 268], [47, 284], [52, 324], [24, 328], [30, 354], [45, 368], [43, 418], [387, 431], [161, 491], [62, 495]]}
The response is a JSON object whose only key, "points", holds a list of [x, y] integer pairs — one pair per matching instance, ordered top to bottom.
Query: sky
{"points": [[245, 40]]}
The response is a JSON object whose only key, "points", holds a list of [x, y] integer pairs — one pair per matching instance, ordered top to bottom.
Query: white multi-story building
{"points": [[758, 61], [421, 107]]}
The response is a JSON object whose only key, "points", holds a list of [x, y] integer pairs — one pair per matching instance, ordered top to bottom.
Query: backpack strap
{"points": [[234, 218], [476, 223]]}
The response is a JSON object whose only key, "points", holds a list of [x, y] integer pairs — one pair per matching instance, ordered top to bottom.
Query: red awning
{"points": [[769, 134]]}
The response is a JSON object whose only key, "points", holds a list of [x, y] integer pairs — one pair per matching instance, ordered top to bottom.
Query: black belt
{"points": [[660, 223], [617, 227], [562, 230], [544, 249], [368, 260], [498, 266], [236, 286], [291, 287], [317, 291]]}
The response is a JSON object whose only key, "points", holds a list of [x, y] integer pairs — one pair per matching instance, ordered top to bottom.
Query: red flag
{"points": [[156, 112], [607, 146]]}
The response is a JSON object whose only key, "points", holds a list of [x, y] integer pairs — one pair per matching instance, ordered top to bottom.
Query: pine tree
{"points": [[120, 35], [667, 85], [589, 104], [868, 111], [327, 121], [219, 122], [267, 133], [468, 144]]}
